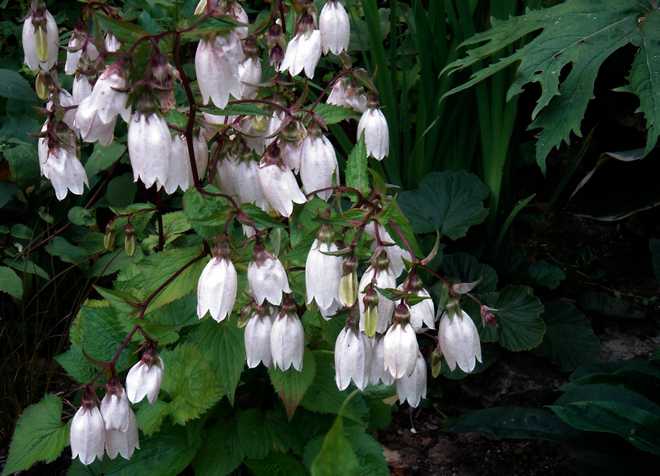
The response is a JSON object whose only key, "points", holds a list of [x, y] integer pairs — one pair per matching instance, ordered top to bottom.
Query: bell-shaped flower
{"points": [[236, 11], [335, 27], [40, 40], [111, 43], [79, 47], [304, 50], [217, 66], [249, 73], [81, 89], [346, 94], [109, 96], [65, 100], [376, 133], [291, 140], [149, 148], [59, 164], [318, 165], [180, 174], [226, 175], [246, 182], [279, 184], [395, 253], [323, 272], [378, 275], [267, 277], [217, 285], [422, 313], [257, 339], [458, 339], [287, 341], [400, 345], [352, 358], [377, 372], [144, 378], [412, 388], [115, 407], [87, 433], [123, 443]]}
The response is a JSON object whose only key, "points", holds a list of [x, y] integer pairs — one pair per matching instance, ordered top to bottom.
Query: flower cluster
{"points": [[275, 158]]}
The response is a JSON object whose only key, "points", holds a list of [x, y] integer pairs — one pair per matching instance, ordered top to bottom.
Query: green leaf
{"points": [[125, 31], [579, 33], [15, 86], [331, 114], [103, 157], [23, 164], [357, 175], [121, 191], [7, 192], [450, 201], [206, 214], [82, 216], [25, 265], [465, 268], [546, 274], [10, 283], [519, 321], [101, 331], [569, 339], [224, 349], [76, 365], [190, 382], [291, 386], [150, 416], [513, 423], [253, 433], [40, 435], [221, 451], [336, 456], [276, 464]]}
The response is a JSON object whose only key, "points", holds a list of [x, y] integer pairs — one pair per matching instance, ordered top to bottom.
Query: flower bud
{"points": [[41, 86], [109, 238], [129, 239], [348, 285], [287, 341], [352, 357], [144, 378], [412, 388]]}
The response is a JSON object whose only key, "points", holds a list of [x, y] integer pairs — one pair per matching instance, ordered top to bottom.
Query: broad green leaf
{"points": [[125, 31], [581, 34], [15, 86], [331, 114], [103, 157], [23, 163], [357, 175], [121, 191], [450, 202], [207, 214], [82, 216], [75, 254], [25, 265], [465, 268], [546, 274], [10, 283], [518, 314], [101, 331], [569, 339], [224, 349], [76, 365], [190, 382], [291, 386], [150, 416], [513, 423], [253, 433], [40, 435], [221, 451], [336, 457], [276, 464]]}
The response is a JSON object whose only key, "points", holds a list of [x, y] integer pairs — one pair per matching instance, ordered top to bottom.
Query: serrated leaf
{"points": [[579, 33], [332, 114], [357, 175], [450, 202], [207, 214], [546, 274], [10, 283], [519, 321], [101, 331], [569, 339], [224, 349], [75, 364], [190, 382], [291, 386], [150, 416], [253, 434], [40, 435], [221, 451], [336, 457], [276, 464]]}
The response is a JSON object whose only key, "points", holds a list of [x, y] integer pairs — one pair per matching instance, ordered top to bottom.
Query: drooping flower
{"points": [[235, 10], [335, 27], [40, 39], [111, 43], [79, 46], [304, 50], [217, 66], [249, 71], [81, 89], [346, 94], [376, 132], [291, 141], [149, 148], [59, 163], [318, 164], [227, 168], [180, 174], [246, 182], [278, 183], [395, 253], [323, 272], [380, 275], [267, 277], [217, 285], [422, 313], [257, 338], [458, 339], [287, 340], [400, 345], [352, 358], [377, 372], [144, 378], [412, 388], [115, 407], [87, 434], [123, 443]]}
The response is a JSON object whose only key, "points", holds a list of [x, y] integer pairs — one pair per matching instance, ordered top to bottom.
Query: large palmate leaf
{"points": [[581, 34]]}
